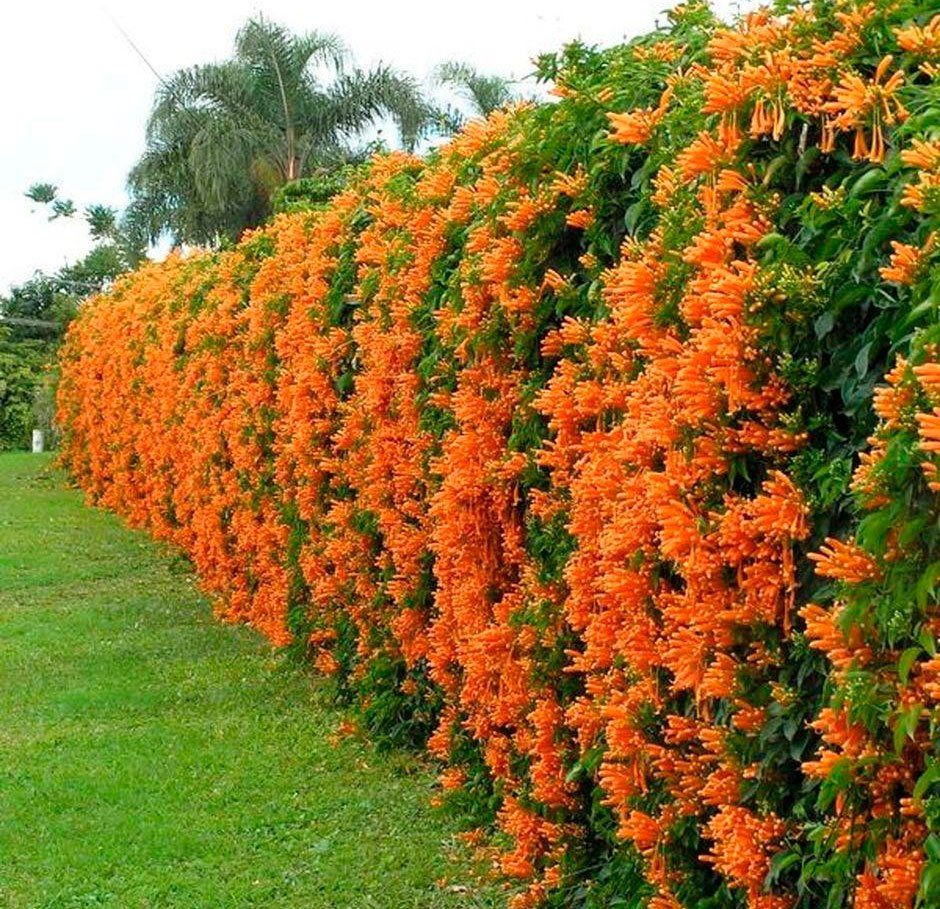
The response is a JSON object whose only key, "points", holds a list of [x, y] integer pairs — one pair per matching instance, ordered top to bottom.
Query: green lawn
{"points": [[152, 757]]}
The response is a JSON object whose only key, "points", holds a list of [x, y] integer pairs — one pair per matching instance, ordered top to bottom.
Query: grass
{"points": [[153, 757]]}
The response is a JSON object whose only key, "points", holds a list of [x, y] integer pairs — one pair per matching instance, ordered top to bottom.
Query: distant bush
{"points": [[311, 193], [23, 369]]}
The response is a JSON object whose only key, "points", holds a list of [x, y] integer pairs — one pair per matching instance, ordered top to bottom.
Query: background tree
{"points": [[481, 93], [222, 137], [43, 193], [102, 221], [120, 245], [38, 298], [35, 313]]}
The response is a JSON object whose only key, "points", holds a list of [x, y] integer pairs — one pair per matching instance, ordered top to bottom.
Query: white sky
{"points": [[74, 96]]}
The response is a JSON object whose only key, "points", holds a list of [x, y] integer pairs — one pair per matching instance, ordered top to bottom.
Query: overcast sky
{"points": [[74, 96]]}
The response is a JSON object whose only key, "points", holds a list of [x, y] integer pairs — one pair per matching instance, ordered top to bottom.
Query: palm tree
{"points": [[483, 94], [223, 136]]}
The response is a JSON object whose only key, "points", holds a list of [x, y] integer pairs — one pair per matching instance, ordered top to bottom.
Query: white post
{"points": [[37, 441]]}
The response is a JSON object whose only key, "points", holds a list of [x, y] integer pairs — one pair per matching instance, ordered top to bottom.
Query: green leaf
{"points": [[868, 182], [823, 324], [861, 360], [926, 584], [926, 640], [906, 661], [906, 724], [930, 776], [932, 846], [780, 862]]}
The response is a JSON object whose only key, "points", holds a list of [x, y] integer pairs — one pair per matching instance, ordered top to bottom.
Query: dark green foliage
{"points": [[313, 192], [22, 363]]}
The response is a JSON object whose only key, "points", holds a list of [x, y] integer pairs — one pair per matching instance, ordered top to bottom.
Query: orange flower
{"points": [[924, 42], [858, 103], [636, 127], [922, 154], [704, 155], [582, 218], [906, 262], [928, 376], [929, 426], [845, 562], [742, 846]]}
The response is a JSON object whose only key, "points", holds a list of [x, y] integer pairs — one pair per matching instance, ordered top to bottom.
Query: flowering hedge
{"points": [[567, 450]]}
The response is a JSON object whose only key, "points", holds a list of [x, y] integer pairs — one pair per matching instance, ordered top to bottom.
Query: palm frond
{"points": [[485, 93]]}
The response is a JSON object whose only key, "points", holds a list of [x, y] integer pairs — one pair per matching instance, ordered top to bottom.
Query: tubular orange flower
{"points": [[924, 42], [858, 103], [636, 127], [922, 154], [705, 155], [582, 218], [906, 262], [928, 376], [929, 426], [845, 562], [742, 846]]}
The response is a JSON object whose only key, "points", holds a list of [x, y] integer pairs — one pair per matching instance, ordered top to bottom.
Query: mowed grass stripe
{"points": [[153, 757]]}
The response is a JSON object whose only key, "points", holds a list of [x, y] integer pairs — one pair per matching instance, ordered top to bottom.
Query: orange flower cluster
{"points": [[923, 42], [766, 67], [858, 103], [636, 127], [924, 192], [907, 262], [530, 491], [844, 561], [669, 574], [877, 800], [743, 844]]}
